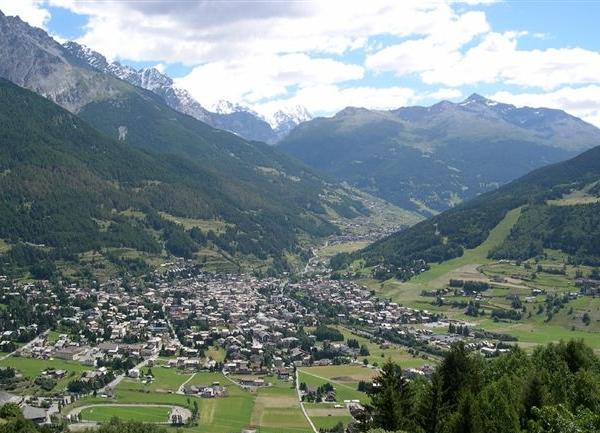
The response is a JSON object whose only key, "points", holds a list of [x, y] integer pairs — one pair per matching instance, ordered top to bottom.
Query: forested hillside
{"points": [[431, 158], [67, 188], [543, 223]]}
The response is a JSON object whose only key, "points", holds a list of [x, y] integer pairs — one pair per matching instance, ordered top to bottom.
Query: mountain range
{"points": [[226, 115], [431, 158], [60, 189], [559, 209]]}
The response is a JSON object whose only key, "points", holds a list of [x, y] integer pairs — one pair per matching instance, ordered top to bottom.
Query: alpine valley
{"points": [[428, 159], [169, 264]]}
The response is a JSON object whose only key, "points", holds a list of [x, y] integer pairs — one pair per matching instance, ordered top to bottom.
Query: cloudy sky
{"points": [[329, 54]]}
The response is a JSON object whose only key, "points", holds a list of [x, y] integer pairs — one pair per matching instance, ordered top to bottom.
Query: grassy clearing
{"points": [[216, 226], [4, 246], [348, 247], [474, 256], [215, 352], [396, 353], [32, 368], [314, 376], [165, 380], [277, 409], [129, 413], [218, 415], [226, 415], [330, 421]]}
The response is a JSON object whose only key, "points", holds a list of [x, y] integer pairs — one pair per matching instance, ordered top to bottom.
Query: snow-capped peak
{"points": [[228, 107], [288, 117]]}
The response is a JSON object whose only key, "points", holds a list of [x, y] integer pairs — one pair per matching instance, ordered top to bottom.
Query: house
{"points": [[134, 373], [283, 374], [252, 382], [7, 397], [35, 414]]}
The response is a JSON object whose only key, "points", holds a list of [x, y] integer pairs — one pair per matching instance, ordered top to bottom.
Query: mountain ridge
{"points": [[232, 117], [431, 158], [572, 228]]}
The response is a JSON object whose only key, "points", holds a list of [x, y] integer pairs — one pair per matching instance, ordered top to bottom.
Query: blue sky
{"points": [[328, 54]]}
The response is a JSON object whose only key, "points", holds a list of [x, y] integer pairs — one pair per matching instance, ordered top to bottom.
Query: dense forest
{"points": [[67, 188], [572, 229], [446, 235], [556, 389]]}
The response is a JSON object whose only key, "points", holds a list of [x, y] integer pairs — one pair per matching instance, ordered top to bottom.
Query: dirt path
{"points": [[329, 380], [182, 386], [302, 405]]}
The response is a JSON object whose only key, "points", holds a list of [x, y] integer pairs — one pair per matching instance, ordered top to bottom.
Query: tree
{"points": [[458, 374], [535, 395], [391, 399], [431, 405], [495, 408], [10, 410]]}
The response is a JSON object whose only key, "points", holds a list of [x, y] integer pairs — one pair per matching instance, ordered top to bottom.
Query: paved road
{"points": [[31, 343], [119, 378], [302, 405]]}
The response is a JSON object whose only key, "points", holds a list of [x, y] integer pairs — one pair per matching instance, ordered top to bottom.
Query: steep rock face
{"points": [[32, 59], [226, 115], [432, 158]]}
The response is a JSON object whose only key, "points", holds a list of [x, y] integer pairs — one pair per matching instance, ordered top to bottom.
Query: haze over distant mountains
{"points": [[432, 158]]}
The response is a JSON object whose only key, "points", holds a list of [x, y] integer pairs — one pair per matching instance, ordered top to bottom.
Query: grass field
{"points": [[216, 226], [348, 247], [440, 272], [216, 353], [379, 356], [32, 368], [165, 380], [345, 386], [277, 409], [129, 413], [217, 415], [225, 415], [329, 421]]}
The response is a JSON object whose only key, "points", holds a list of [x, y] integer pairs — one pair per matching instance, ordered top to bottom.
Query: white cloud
{"points": [[30, 11], [205, 31], [263, 53], [494, 59], [160, 67], [249, 80], [444, 94], [327, 99], [582, 102]]}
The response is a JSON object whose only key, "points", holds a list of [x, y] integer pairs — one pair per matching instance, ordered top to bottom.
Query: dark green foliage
{"points": [[66, 187], [573, 229], [327, 333], [555, 389], [391, 396]]}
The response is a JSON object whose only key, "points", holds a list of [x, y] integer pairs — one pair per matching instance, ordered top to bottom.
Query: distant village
{"points": [[267, 326]]}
